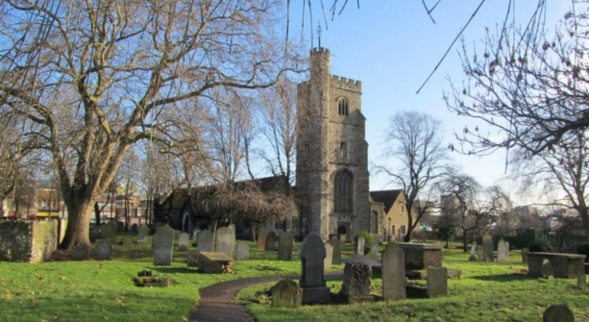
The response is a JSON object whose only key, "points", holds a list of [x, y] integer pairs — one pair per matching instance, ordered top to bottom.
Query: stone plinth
{"points": [[420, 256], [215, 263], [563, 265]]}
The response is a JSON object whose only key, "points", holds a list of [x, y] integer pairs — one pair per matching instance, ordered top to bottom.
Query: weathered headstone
{"points": [[109, 232], [142, 233], [195, 233], [183, 241], [205, 241], [225, 241], [270, 241], [127, 242], [261, 243], [360, 245], [163, 246], [285, 246], [473, 248], [488, 248], [103, 250], [374, 250], [243, 251], [502, 251], [81, 252], [525, 252], [328, 255], [336, 257], [192, 259], [547, 271], [393, 273], [312, 281], [437, 281], [581, 281], [356, 284], [286, 293], [558, 313]]}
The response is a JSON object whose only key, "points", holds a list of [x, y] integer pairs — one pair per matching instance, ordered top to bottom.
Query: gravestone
{"points": [[109, 232], [142, 233], [177, 233], [195, 233], [183, 241], [205, 241], [225, 241], [270, 241], [127, 242], [261, 243], [360, 245], [163, 246], [285, 246], [473, 248], [487, 248], [103, 250], [374, 250], [243, 251], [502, 251], [81, 252], [525, 252], [480, 254], [328, 255], [336, 257], [472, 258], [192, 259], [547, 271], [393, 273], [312, 281], [437, 281], [581, 281], [356, 284], [286, 293], [558, 313]]}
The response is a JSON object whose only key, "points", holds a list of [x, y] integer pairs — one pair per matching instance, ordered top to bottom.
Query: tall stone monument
{"points": [[312, 275]]}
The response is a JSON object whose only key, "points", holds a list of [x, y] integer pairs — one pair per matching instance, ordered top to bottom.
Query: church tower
{"points": [[332, 153]]}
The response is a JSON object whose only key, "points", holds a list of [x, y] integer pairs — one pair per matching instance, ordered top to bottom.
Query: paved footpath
{"points": [[217, 302]]}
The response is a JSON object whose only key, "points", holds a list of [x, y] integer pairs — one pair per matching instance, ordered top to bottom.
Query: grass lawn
{"points": [[485, 292]]}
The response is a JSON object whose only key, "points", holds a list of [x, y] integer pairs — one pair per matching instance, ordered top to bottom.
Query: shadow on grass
{"points": [[174, 270], [505, 277]]}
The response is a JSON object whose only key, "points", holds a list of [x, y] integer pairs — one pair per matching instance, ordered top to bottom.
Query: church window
{"points": [[342, 106], [343, 150], [343, 192]]}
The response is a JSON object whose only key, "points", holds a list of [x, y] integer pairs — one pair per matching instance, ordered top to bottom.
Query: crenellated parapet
{"points": [[346, 83]]}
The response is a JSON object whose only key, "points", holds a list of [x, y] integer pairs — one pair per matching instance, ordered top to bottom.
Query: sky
{"points": [[392, 47]]}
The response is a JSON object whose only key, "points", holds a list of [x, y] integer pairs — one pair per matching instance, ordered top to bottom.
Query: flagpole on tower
{"points": [[319, 32]]}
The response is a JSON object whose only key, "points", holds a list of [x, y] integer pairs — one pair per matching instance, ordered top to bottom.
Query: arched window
{"points": [[342, 106], [343, 192]]}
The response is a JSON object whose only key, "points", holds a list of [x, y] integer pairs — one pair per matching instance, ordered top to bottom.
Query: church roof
{"points": [[387, 197]]}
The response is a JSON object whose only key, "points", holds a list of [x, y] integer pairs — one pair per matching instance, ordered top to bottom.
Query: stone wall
{"points": [[30, 241]]}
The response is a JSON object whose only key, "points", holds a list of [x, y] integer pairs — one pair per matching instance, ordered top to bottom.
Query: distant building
{"points": [[393, 221]]}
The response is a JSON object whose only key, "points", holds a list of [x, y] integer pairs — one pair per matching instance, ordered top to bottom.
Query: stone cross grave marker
{"points": [[109, 232], [142, 233], [183, 241], [205, 241], [225, 241], [270, 241], [261, 242], [360, 245], [163, 246], [285, 246], [488, 248], [374, 250], [103, 251], [243, 251], [502, 251], [81, 252], [525, 252], [328, 255], [336, 257], [393, 273], [312, 281], [437, 281], [356, 284], [558, 313]]}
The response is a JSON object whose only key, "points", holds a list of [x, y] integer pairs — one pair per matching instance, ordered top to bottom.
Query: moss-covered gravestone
{"points": [[286, 293]]}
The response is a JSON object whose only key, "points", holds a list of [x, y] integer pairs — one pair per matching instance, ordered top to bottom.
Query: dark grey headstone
{"points": [[109, 232], [183, 241], [205, 241], [225, 241], [270, 241], [261, 242], [360, 245], [163, 246], [285, 246], [488, 248], [103, 250], [243, 251], [502, 251], [81, 252], [328, 256], [336, 257], [393, 273], [312, 281], [437, 281], [357, 282], [286, 293], [558, 313]]}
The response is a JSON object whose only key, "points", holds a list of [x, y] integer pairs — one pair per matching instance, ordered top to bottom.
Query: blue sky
{"points": [[392, 46]]}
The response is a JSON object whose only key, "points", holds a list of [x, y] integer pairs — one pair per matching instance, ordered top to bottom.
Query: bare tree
{"points": [[104, 71], [529, 88], [414, 141]]}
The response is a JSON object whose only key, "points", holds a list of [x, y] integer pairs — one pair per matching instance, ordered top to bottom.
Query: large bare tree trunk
{"points": [[78, 225]]}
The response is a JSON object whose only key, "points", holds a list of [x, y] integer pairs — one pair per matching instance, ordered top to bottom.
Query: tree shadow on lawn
{"points": [[513, 277]]}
